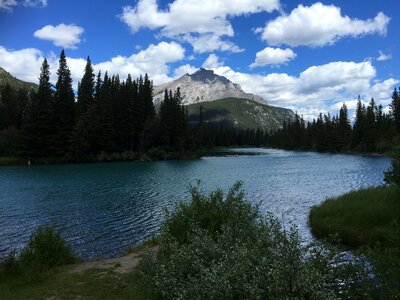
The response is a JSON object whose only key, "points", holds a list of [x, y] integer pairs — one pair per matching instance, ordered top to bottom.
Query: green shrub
{"points": [[393, 174], [221, 247], [44, 251]]}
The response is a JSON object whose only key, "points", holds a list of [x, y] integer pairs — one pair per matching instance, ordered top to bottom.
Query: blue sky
{"points": [[306, 55]]}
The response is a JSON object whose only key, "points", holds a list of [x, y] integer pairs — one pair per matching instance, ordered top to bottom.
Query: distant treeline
{"points": [[107, 119], [110, 119], [372, 131]]}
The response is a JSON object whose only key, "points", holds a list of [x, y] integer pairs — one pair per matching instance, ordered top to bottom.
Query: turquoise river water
{"points": [[106, 208]]}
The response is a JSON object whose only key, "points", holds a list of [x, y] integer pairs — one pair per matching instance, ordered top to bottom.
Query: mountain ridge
{"points": [[14, 82], [203, 86], [240, 113]]}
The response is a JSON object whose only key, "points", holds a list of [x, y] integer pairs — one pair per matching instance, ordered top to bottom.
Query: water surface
{"points": [[106, 208]]}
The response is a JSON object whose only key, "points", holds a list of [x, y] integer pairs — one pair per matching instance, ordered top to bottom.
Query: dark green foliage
{"points": [[86, 89], [8, 107], [395, 108], [64, 109], [114, 117], [39, 122], [373, 131], [10, 141], [393, 174], [362, 217], [366, 220], [220, 247], [45, 250]]}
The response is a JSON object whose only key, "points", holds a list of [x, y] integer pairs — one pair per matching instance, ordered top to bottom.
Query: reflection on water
{"points": [[106, 208]]}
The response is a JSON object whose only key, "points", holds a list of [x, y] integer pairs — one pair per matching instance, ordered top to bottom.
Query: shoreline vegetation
{"points": [[367, 222], [217, 246]]}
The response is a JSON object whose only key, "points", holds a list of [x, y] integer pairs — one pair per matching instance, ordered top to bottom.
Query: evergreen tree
{"points": [[86, 89], [8, 107], [64, 107], [395, 109], [39, 125], [344, 127], [358, 129], [105, 132], [370, 134]]}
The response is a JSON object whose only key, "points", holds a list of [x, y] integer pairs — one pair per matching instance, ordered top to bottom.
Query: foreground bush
{"points": [[221, 247], [44, 251]]}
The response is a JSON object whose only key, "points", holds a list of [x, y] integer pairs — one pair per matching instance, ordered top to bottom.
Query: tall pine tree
{"points": [[86, 89], [64, 108]]}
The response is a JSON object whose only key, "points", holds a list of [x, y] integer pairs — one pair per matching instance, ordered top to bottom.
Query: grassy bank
{"points": [[359, 218], [369, 222]]}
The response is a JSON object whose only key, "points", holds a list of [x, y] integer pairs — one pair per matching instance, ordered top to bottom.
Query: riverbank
{"points": [[153, 154], [367, 221], [117, 278]]}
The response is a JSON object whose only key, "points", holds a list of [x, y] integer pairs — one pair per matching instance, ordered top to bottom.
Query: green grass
{"points": [[360, 218], [42, 271], [91, 284]]}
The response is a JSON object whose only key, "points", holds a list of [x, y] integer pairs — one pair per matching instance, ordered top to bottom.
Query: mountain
{"points": [[15, 83], [202, 86], [240, 113]]}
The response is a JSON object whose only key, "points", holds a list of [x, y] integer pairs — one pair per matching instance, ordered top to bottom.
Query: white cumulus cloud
{"points": [[188, 17], [319, 25], [62, 35], [210, 42], [273, 56], [154, 60], [212, 62], [25, 63], [184, 69], [318, 88]]}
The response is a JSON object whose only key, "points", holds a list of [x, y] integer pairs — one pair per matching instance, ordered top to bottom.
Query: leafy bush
{"points": [[393, 174], [221, 247], [44, 251]]}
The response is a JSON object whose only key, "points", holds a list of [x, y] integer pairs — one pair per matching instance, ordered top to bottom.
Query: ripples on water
{"points": [[106, 208]]}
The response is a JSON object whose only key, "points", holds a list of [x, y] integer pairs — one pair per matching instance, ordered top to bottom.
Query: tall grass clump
{"points": [[359, 218], [367, 221], [219, 246], [45, 250]]}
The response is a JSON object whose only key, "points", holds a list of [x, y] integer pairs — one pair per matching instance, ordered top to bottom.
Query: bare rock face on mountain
{"points": [[203, 86]]}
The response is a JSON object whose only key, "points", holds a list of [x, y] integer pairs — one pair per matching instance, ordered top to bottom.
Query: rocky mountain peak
{"points": [[207, 76], [202, 86]]}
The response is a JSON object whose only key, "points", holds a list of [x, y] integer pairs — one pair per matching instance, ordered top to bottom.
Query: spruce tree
{"points": [[86, 88], [8, 107], [64, 108], [395, 109], [39, 125], [344, 128], [358, 128]]}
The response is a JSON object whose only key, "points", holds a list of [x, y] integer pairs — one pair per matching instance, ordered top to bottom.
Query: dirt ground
{"points": [[123, 264]]}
